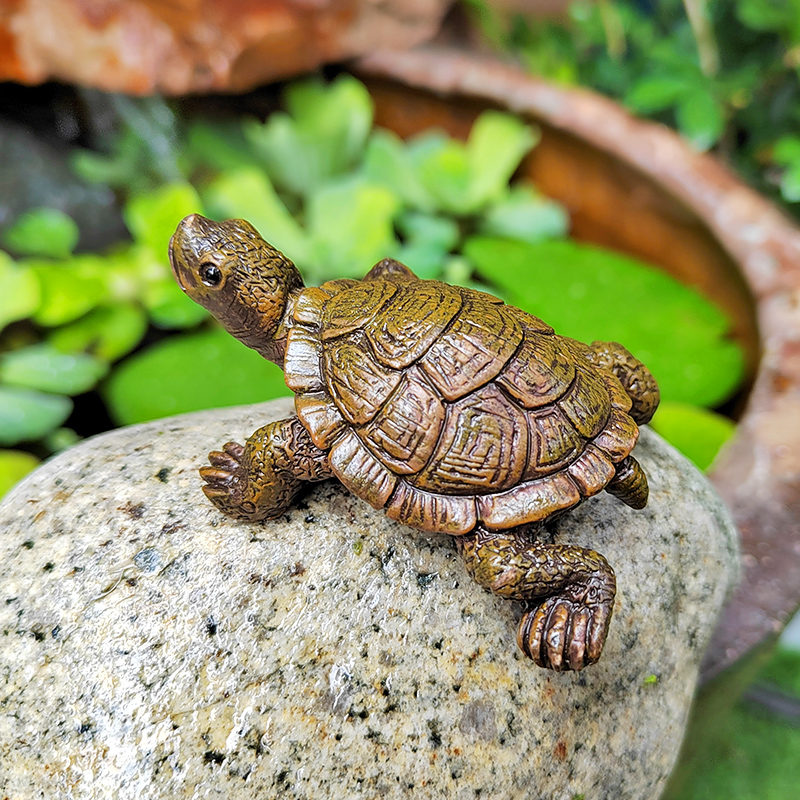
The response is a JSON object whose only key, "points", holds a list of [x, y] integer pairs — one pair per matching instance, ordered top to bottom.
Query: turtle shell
{"points": [[447, 407]]}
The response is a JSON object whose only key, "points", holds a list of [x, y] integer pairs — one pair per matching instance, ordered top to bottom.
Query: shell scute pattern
{"points": [[309, 306], [350, 310], [412, 321], [528, 321], [474, 348], [301, 364], [540, 373], [358, 383], [620, 399], [586, 403], [320, 416], [532, 428], [404, 433], [618, 437], [554, 442], [483, 446], [360, 471], [591, 471], [528, 502], [430, 511]]}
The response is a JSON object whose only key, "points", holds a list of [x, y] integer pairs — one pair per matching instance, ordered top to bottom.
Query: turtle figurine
{"points": [[450, 410]]}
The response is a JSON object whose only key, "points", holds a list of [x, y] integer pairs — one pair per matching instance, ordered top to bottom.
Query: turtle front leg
{"points": [[261, 480], [568, 591]]}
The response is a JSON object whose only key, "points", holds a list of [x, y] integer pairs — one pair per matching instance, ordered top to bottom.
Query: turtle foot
{"points": [[226, 481], [567, 632]]}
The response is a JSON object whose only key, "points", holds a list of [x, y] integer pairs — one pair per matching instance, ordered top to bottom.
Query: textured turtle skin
{"points": [[447, 408]]}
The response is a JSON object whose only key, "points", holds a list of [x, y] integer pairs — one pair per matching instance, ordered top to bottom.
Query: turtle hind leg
{"points": [[634, 376], [261, 479], [629, 484], [568, 593]]}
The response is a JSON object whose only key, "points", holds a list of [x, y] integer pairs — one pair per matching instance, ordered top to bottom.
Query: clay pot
{"points": [[637, 187]]}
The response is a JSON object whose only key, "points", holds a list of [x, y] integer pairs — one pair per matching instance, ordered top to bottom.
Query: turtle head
{"points": [[242, 280]]}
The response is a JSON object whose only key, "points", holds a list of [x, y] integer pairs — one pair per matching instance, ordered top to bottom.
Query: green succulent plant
{"points": [[336, 195]]}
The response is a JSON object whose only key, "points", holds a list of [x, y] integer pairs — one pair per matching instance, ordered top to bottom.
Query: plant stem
{"points": [[697, 11], [613, 28]]}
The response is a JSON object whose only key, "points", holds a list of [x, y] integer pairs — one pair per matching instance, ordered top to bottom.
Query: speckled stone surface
{"points": [[151, 647]]}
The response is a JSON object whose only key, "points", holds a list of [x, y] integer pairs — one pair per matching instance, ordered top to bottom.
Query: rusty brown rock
{"points": [[146, 46]]}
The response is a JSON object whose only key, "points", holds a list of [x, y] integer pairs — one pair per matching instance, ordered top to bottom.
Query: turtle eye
{"points": [[210, 274]]}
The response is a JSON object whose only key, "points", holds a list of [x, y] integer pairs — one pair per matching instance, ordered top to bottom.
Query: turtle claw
{"points": [[234, 449], [223, 460], [213, 475], [224, 478], [212, 492], [564, 634]]}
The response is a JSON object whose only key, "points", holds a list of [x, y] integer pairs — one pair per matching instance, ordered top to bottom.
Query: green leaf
{"points": [[771, 15], [655, 93], [338, 114], [700, 118], [322, 136], [218, 145], [495, 147], [786, 150], [144, 154], [387, 162], [292, 163], [118, 169], [444, 172], [463, 178], [790, 183], [248, 194], [525, 215], [152, 218], [350, 223], [419, 228], [45, 232], [428, 242], [424, 259], [458, 271], [69, 289], [21, 293], [590, 293], [170, 308], [108, 332], [43, 367], [207, 369], [26, 415], [697, 432], [61, 439], [14, 466]]}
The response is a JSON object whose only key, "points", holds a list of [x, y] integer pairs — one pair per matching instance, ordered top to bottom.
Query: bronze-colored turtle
{"points": [[447, 408]]}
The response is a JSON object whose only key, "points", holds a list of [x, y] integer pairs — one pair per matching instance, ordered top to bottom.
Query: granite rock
{"points": [[151, 647]]}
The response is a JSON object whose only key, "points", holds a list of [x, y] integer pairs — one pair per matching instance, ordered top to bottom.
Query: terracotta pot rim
{"points": [[755, 474]]}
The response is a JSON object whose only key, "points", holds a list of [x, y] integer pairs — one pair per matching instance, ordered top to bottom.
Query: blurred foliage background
{"points": [[725, 73], [94, 332], [110, 337]]}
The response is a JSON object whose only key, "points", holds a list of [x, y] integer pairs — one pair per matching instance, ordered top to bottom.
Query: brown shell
{"points": [[448, 408]]}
